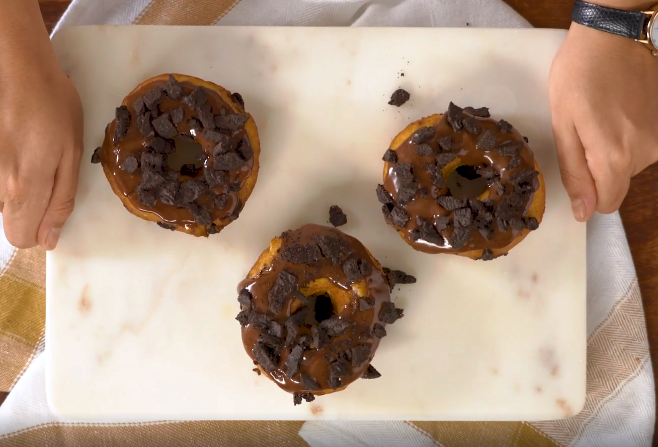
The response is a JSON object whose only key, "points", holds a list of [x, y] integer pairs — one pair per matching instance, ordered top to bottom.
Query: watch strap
{"points": [[615, 21]]}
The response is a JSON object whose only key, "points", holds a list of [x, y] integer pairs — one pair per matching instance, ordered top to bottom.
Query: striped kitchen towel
{"points": [[620, 406]]}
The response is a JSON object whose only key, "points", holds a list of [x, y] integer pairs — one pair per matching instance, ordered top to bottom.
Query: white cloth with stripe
{"points": [[623, 417]]}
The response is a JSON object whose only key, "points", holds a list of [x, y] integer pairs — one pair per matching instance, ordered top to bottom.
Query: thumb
{"points": [[576, 176], [61, 202]]}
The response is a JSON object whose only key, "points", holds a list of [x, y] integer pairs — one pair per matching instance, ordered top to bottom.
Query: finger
{"points": [[612, 175], [576, 176], [26, 201], [61, 202], [2, 205]]}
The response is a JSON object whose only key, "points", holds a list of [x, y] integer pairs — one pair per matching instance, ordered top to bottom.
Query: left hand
{"points": [[604, 101]]}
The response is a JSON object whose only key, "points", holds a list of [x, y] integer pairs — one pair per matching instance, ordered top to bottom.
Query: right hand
{"points": [[40, 149]]}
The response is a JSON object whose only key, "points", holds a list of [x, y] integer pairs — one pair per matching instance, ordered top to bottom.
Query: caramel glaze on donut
{"points": [[192, 170], [462, 183], [314, 308]]}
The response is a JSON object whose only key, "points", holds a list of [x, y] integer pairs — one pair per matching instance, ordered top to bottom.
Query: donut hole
{"points": [[188, 152], [465, 183], [323, 308]]}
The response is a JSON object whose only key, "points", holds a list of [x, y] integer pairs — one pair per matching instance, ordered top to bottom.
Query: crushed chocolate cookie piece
{"points": [[173, 88], [399, 97], [153, 98], [196, 98], [237, 98], [139, 106], [204, 112], [482, 112], [177, 115], [122, 116], [455, 116], [231, 122], [195, 125], [144, 126], [472, 126], [504, 126], [164, 127], [422, 135], [218, 137], [487, 141], [445, 143], [157, 144], [510, 148], [424, 150], [245, 151], [96, 156], [390, 156], [444, 158], [228, 161], [152, 162], [514, 163], [188, 170], [487, 172], [403, 173], [436, 175], [215, 178], [150, 180], [189, 191], [167, 192], [407, 193], [383, 196], [146, 198], [450, 203], [512, 206], [200, 213], [336, 216], [398, 216], [463, 217], [441, 223], [531, 223], [502, 224], [517, 224], [166, 226], [213, 229], [486, 233], [414, 234], [429, 234], [460, 236], [336, 249], [302, 254], [487, 255], [355, 269], [396, 277], [285, 283], [245, 298], [366, 303], [389, 314], [243, 318], [259, 320], [336, 325], [378, 331], [320, 337], [270, 340], [305, 341], [360, 354], [265, 357], [292, 362], [340, 369], [257, 371], [371, 373], [335, 382], [309, 383], [297, 397]]}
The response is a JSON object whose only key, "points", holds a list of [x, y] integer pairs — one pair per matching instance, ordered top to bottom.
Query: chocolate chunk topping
{"points": [[173, 88], [399, 97], [153, 98], [196, 98], [237, 98], [139, 106], [204, 112], [482, 112], [177, 115], [122, 116], [455, 116], [231, 122], [195, 125], [144, 126], [472, 126], [505, 126], [164, 127], [422, 135], [218, 137], [487, 141], [445, 143], [159, 145], [510, 148], [424, 150], [96, 156], [390, 156], [444, 158], [228, 161], [514, 163], [403, 173], [436, 175], [215, 178], [189, 191], [167, 192], [406, 193], [383, 196], [449, 203], [512, 206], [200, 213], [336, 216], [398, 216], [463, 217], [531, 223], [517, 224], [168, 227], [460, 236], [336, 249], [303, 254], [487, 255], [355, 269], [396, 277], [285, 284], [245, 298], [366, 303], [389, 314], [242, 317], [259, 320], [336, 325], [378, 331], [320, 337], [270, 340], [360, 355], [265, 357], [292, 362], [340, 369], [371, 373], [335, 382], [297, 398]]}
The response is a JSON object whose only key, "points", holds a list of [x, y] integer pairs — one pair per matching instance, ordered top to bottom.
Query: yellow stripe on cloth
{"points": [[190, 13], [160, 434], [490, 434]]}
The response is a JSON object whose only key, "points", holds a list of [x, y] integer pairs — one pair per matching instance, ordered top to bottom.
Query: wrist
{"points": [[630, 5]]}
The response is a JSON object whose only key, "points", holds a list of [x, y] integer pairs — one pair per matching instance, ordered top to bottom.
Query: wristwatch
{"points": [[642, 26]]}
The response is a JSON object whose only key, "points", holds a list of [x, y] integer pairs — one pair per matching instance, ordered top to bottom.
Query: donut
{"points": [[181, 152], [462, 183], [314, 308]]}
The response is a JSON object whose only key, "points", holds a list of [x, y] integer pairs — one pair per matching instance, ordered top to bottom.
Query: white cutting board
{"points": [[141, 320]]}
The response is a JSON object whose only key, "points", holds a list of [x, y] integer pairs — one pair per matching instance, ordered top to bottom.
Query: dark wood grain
{"points": [[639, 211]]}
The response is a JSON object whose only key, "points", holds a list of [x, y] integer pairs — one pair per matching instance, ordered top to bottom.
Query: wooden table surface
{"points": [[639, 209]]}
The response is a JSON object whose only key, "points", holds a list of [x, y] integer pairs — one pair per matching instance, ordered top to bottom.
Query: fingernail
{"points": [[579, 209], [53, 238]]}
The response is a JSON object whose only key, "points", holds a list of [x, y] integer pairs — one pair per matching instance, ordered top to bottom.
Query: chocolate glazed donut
{"points": [[182, 152], [462, 183], [314, 309]]}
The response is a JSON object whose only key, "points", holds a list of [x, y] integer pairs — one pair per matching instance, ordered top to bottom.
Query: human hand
{"points": [[604, 101], [40, 150]]}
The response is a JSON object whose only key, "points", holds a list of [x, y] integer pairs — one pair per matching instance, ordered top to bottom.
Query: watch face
{"points": [[654, 32]]}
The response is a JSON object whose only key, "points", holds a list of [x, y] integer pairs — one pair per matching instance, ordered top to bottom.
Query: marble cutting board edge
{"points": [[140, 321]]}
